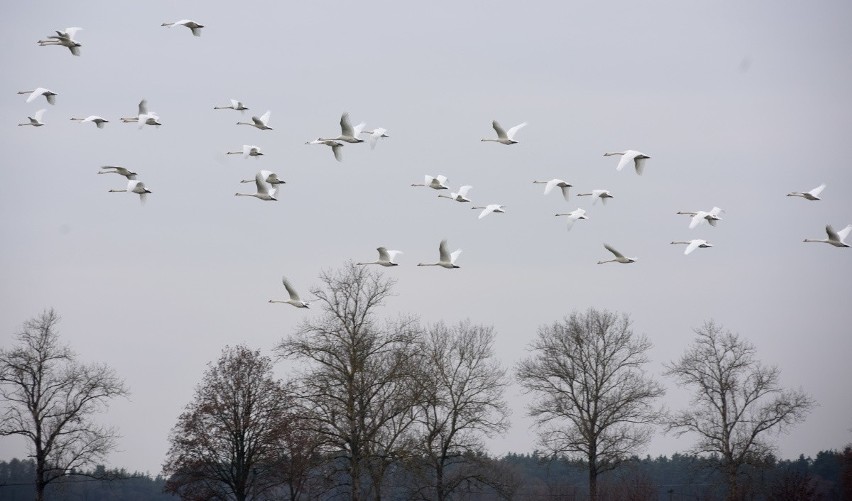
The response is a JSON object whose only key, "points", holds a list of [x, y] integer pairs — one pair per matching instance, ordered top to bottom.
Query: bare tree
{"points": [[360, 381], [51, 397], [593, 398], [737, 401], [462, 402], [226, 443]]}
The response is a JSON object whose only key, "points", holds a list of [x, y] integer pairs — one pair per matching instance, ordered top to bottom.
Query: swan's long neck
{"points": [[493, 140], [609, 154], [117, 191], [816, 240], [681, 242], [428, 264]]}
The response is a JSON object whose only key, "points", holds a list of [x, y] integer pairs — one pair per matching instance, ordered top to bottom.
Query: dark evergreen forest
{"points": [[827, 477]]}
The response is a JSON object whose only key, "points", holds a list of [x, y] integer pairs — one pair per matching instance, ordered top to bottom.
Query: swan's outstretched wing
{"points": [[38, 92], [143, 107], [39, 114], [264, 119], [345, 125], [356, 131], [511, 132], [501, 133], [374, 137], [338, 152], [626, 158], [640, 164], [441, 179], [550, 184], [463, 190], [816, 191], [697, 219], [832, 235], [693, 244], [614, 252], [383, 254], [392, 254], [443, 255], [455, 255], [290, 290]]}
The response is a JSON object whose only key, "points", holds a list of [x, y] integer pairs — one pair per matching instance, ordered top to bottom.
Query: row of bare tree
{"points": [[371, 395]]}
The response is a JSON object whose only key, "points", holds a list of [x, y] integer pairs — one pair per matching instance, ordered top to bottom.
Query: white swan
{"points": [[192, 25], [65, 39], [40, 91], [235, 105], [142, 110], [35, 120], [98, 121], [260, 123], [348, 133], [375, 134], [505, 137], [335, 147], [249, 150], [637, 157], [121, 171], [270, 177], [436, 183], [549, 185], [134, 186], [264, 192], [601, 195], [809, 195], [460, 196], [488, 209], [573, 216], [698, 217], [835, 238], [693, 244], [386, 257], [619, 258], [445, 259], [294, 297]]}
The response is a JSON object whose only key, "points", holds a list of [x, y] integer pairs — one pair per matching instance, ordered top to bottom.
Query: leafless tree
{"points": [[360, 380], [51, 397], [593, 399], [462, 402], [737, 402], [227, 443]]}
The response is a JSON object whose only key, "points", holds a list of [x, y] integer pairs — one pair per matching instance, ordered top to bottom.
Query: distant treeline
{"points": [[826, 477]]}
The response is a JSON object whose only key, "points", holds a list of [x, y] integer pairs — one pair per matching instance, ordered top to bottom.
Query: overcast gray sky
{"points": [[736, 103]]}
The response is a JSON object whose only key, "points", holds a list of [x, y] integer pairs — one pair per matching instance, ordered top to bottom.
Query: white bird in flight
{"points": [[192, 25], [65, 39], [40, 91], [235, 105], [143, 117], [35, 120], [98, 121], [260, 123], [348, 133], [375, 134], [504, 137], [335, 147], [249, 150], [637, 157], [114, 169], [268, 176], [436, 183], [549, 185], [134, 186], [264, 192], [601, 195], [809, 195], [460, 196], [488, 209], [573, 216], [698, 217], [835, 238], [693, 244], [386, 257], [619, 258], [445, 259], [294, 296]]}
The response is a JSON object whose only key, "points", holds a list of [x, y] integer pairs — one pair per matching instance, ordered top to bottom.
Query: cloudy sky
{"points": [[737, 104]]}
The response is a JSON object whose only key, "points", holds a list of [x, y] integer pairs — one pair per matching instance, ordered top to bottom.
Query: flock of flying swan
{"points": [[267, 182]]}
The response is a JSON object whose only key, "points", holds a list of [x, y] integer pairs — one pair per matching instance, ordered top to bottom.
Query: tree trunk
{"points": [[593, 475], [733, 487]]}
